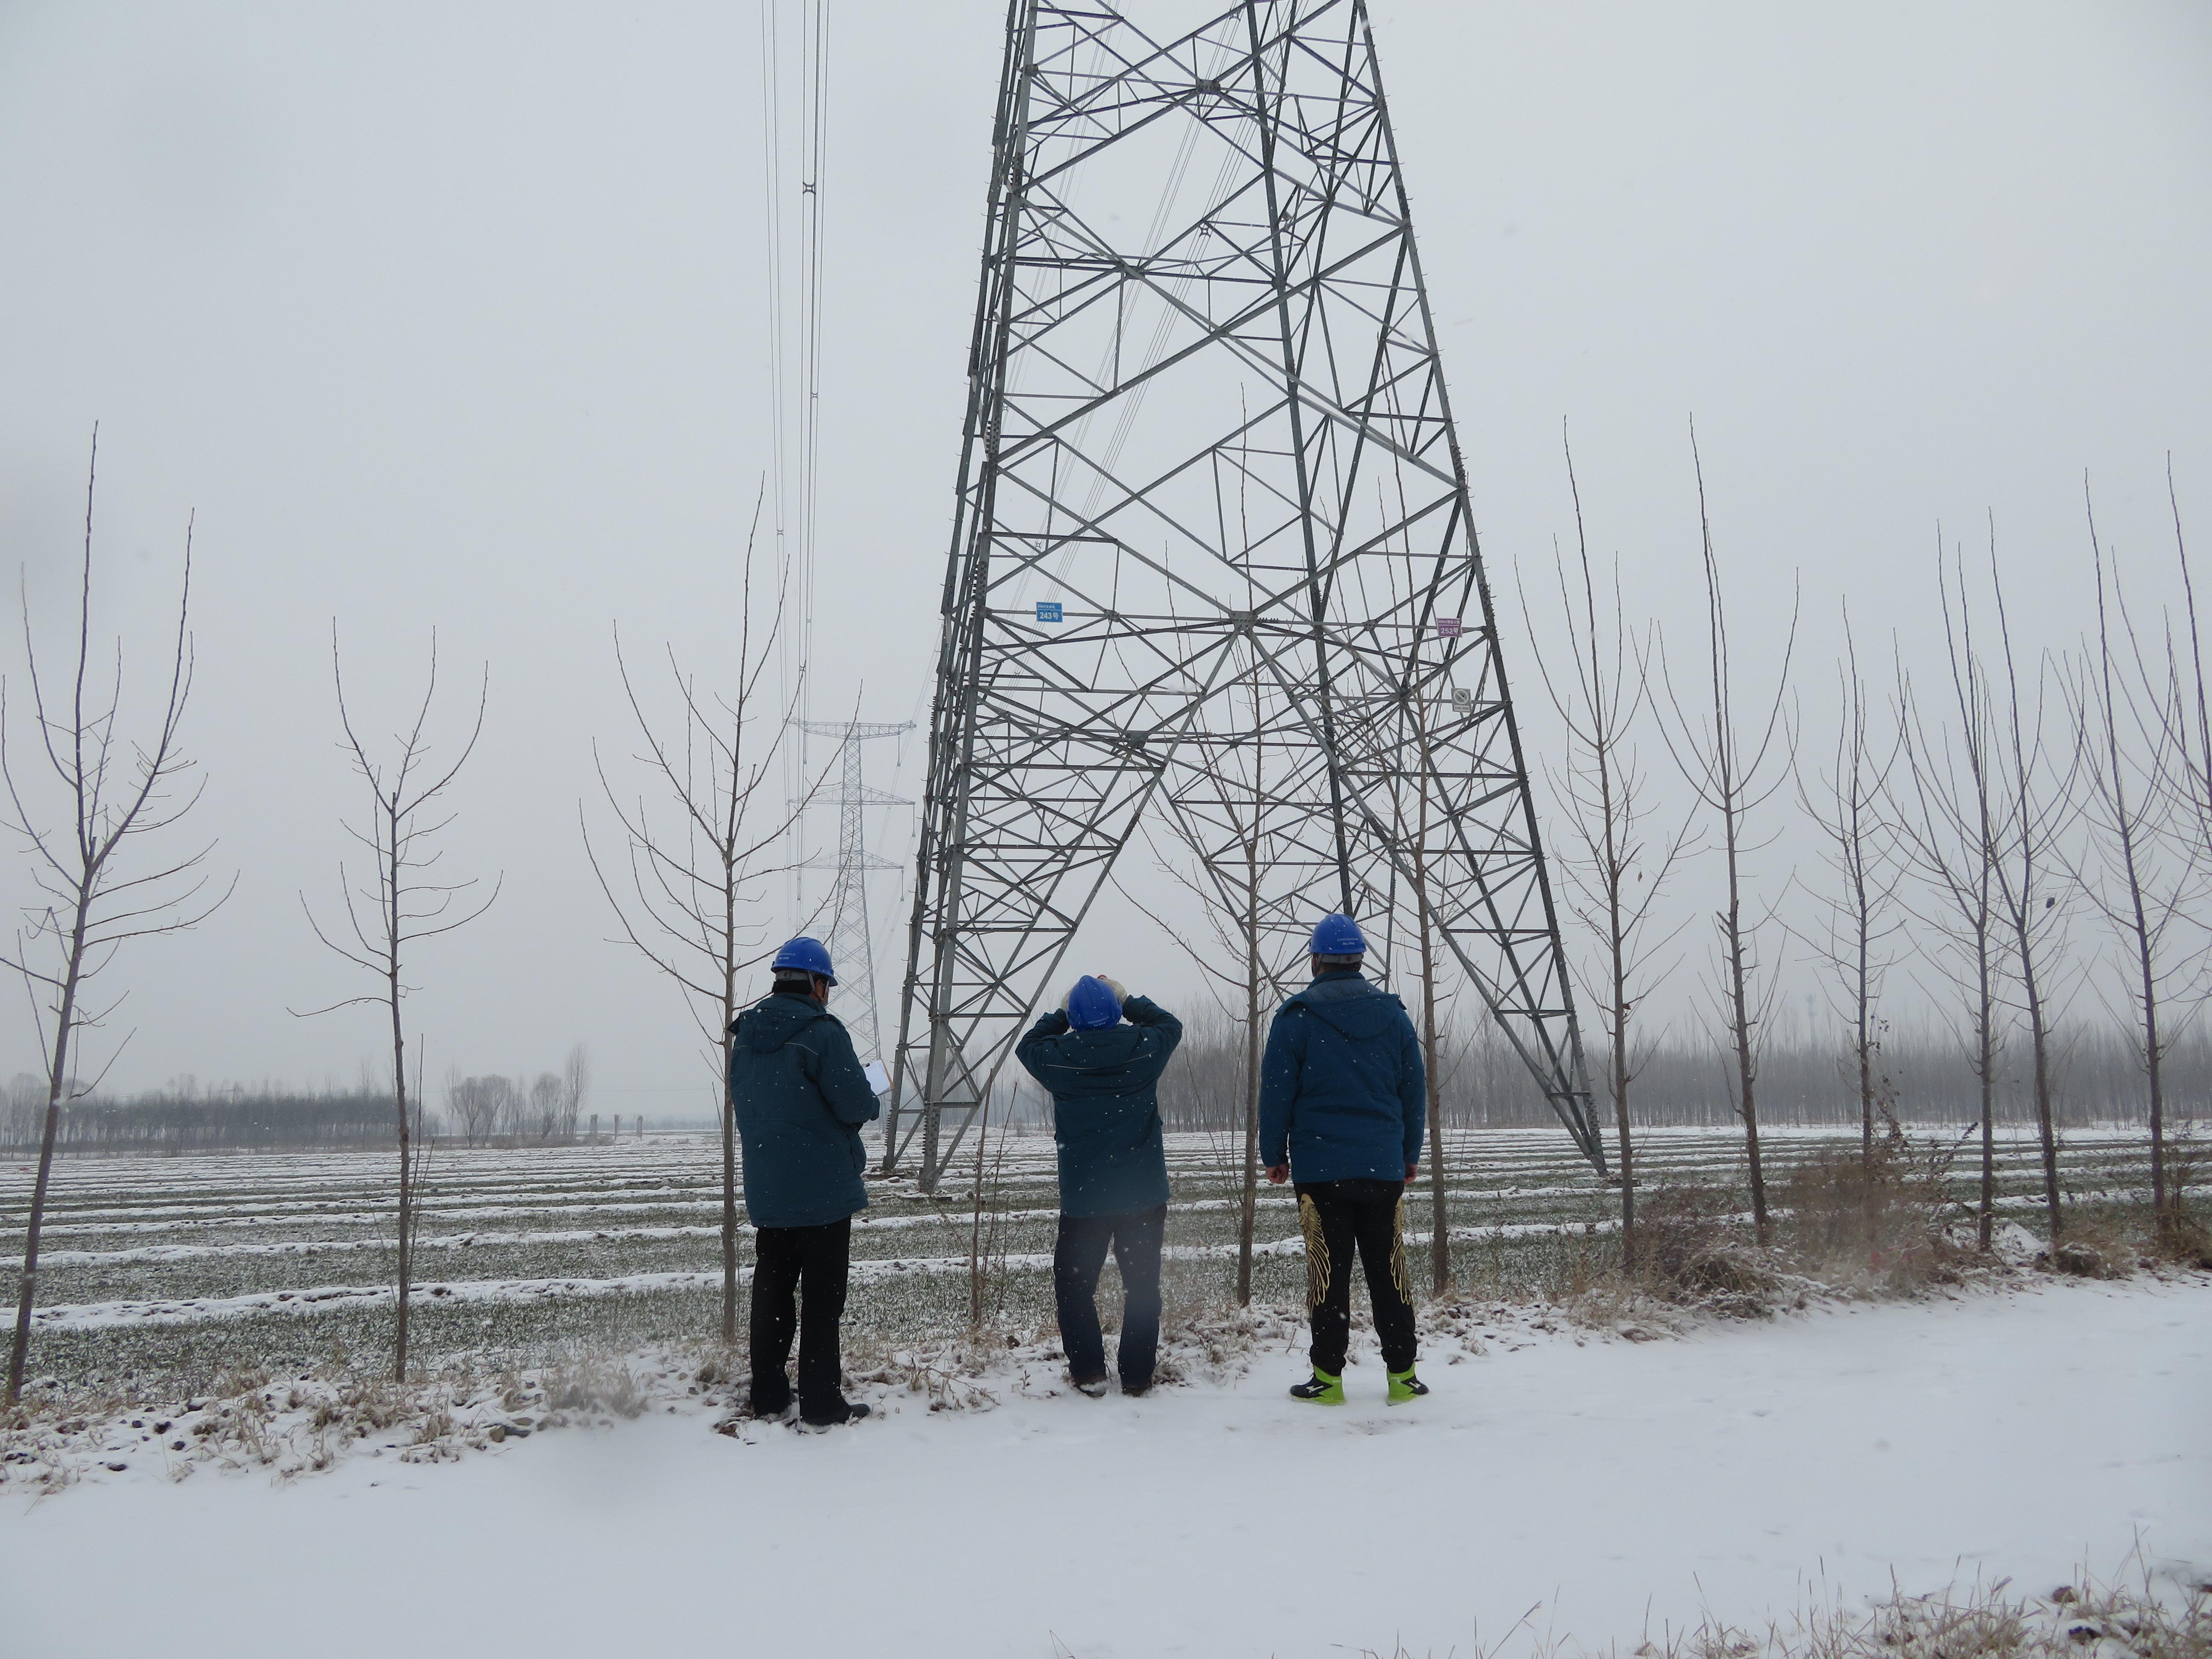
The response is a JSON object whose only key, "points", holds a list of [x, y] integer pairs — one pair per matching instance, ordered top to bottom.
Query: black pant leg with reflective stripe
{"points": [[1326, 1218], [1337, 1218], [1378, 1221]]}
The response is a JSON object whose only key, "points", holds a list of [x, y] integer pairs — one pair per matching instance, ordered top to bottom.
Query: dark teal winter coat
{"points": [[1342, 1093], [800, 1097], [1106, 1106]]}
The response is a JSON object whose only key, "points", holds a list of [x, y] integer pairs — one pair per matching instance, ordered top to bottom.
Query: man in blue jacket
{"points": [[1103, 1076], [799, 1096], [1343, 1106]]}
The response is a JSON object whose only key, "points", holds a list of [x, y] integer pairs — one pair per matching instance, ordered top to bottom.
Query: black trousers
{"points": [[1336, 1218], [1077, 1257], [799, 1285]]}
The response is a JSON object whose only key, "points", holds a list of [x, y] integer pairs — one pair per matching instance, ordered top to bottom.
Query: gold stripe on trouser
{"points": [[1317, 1250], [1399, 1274]]}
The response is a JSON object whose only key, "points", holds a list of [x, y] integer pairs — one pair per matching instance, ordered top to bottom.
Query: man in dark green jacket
{"points": [[1103, 1076], [799, 1096], [1344, 1108]]}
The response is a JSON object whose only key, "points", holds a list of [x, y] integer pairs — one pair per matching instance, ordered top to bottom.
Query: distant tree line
{"points": [[1922, 1076], [183, 1117]]}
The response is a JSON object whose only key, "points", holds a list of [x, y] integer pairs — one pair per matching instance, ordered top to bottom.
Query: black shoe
{"points": [[1094, 1386], [1137, 1390], [761, 1411], [843, 1412]]}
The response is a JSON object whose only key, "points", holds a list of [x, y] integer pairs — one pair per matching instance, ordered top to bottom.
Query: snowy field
{"points": [[176, 1269], [1557, 1489]]}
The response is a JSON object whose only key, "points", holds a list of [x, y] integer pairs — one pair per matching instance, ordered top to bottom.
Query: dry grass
{"points": [[1871, 1222], [1692, 1250], [593, 1385], [2085, 1621]]}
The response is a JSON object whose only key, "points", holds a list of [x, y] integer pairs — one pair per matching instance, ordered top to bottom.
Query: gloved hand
{"points": [[1113, 985]]}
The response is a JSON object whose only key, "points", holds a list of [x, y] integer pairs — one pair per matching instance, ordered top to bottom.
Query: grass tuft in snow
{"points": [[2088, 1620]]}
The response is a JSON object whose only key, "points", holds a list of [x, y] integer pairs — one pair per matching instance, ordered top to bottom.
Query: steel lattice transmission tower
{"points": [[1212, 559], [851, 942]]}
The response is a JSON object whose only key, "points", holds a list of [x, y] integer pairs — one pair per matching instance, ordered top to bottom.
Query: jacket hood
{"points": [[1348, 1003], [773, 1021]]}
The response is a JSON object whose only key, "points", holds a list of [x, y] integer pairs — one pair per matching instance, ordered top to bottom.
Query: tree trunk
{"points": [[1740, 1011], [2040, 1038], [1986, 1064], [729, 1114], [406, 1163], [1248, 1203], [1248, 1209], [1440, 1223], [19, 1351]]}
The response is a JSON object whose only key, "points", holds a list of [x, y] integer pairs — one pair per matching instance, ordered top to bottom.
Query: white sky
{"points": [[453, 316]]}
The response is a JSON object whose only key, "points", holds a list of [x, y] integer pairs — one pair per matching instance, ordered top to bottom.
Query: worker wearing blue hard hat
{"points": [[1100, 1055], [800, 1096], [1343, 1109]]}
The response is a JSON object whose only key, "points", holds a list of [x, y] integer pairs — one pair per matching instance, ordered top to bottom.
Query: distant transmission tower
{"points": [[1213, 559], [852, 943]]}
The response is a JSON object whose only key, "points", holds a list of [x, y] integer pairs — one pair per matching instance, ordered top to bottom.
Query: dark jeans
{"points": [[1336, 1217], [1077, 1257], [798, 1285]]}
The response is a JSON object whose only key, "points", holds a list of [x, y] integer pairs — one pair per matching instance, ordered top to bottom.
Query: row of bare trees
{"points": [[1964, 825], [689, 903], [544, 1107]]}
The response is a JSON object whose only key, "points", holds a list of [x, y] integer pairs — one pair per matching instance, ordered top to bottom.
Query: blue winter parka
{"points": [[1343, 1095], [800, 1097], [1106, 1106]]}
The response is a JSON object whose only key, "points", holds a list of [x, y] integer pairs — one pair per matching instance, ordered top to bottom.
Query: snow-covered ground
{"points": [[1594, 1489]]}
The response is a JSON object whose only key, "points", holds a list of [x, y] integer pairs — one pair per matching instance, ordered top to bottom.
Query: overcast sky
{"points": [[454, 316]]}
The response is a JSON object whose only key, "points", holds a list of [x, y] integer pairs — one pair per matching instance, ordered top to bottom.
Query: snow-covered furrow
{"points": [[172, 1310]]}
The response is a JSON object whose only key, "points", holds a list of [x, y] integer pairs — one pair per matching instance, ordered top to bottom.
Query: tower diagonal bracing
{"points": [[1212, 567]]}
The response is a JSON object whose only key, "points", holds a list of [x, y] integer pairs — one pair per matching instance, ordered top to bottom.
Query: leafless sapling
{"points": [[2190, 712], [1733, 770], [2041, 772], [2136, 787], [111, 792], [1953, 824], [1618, 869], [691, 888], [401, 904], [1857, 916]]}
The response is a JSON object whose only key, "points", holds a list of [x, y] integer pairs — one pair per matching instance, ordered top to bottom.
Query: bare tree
{"points": [[2187, 709], [1734, 771], [2039, 784], [2135, 785], [113, 792], [1953, 830], [1615, 876], [1228, 888], [690, 889], [401, 904], [1858, 917], [575, 1084], [545, 1104]]}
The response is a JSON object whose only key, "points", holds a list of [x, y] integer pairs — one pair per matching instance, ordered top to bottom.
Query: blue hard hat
{"points": [[1338, 935], [805, 956], [1092, 1006]]}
